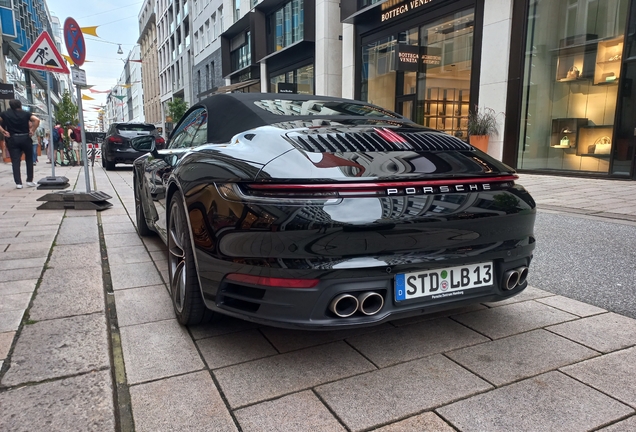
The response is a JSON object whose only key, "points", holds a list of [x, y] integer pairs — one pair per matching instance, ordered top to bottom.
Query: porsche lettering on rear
{"points": [[428, 190]]}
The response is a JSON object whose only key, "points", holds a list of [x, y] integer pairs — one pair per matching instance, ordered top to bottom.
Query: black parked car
{"points": [[116, 145], [316, 212]]}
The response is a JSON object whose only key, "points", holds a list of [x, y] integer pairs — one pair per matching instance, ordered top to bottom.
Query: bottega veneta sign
{"points": [[395, 8], [413, 58]]}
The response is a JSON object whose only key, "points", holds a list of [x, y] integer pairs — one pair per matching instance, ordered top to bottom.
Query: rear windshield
{"points": [[322, 108], [135, 128]]}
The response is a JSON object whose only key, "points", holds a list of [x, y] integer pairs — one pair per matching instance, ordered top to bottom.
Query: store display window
{"points": [[424, 72], [572, 73], [302, 79]]}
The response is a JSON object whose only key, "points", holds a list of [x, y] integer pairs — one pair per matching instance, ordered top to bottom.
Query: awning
{"points": [[236, 86]]}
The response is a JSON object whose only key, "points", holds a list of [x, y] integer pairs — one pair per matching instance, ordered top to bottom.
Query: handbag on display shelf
{"points": [[573, 73], [565, 141], [603, 145]]}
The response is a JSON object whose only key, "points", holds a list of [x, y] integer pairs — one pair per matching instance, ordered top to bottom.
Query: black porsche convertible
{"points": [[314, 212]]}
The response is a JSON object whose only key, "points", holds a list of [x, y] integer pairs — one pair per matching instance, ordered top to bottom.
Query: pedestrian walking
{"points": [[18, 126], [71, 133], [37, 142], [58, 142], [46, 143]]}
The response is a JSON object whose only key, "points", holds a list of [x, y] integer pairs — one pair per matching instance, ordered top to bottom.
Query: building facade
{"points": [[207, 24], [175, 56], [150, 62], [125, 103]]}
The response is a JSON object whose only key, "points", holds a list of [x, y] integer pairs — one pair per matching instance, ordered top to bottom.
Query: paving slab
{"points": [[114, 219], [119, 228], [78, 230], [43, 238], [122, 240], [154, 244], [33, 246], [25, 254], [128, 255], [74, 256], [21, 263], [20, 274], [134, 275], [68, 292], [530, 293], [14, 302], [143, 305], [572, 306], [514, 318], [10, 320], [222, 324], [607, 332], [6, 339], [286, 340], [396, 345], [58, 348], [158, 350], [226, 350], [521, 356], [613, 374], [276, 376], [390, 394], [553, 400], [80, 403], [184, 403], [298, 412], [429, 422], [622, 426]]}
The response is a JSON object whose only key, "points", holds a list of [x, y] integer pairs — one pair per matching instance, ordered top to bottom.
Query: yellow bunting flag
{"points": [[90, 30], [84, 97]]}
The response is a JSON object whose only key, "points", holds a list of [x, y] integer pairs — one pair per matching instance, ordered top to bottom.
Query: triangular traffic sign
{"points": [[44, 56]]}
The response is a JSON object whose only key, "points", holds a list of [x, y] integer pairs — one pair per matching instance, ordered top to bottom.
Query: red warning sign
{"points": [[44, 56]]}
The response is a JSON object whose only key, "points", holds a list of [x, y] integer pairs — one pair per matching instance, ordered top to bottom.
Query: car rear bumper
{"points": [[122, 155], [309, 308]]}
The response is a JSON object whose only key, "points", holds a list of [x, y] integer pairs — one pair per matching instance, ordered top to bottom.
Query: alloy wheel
{"points": [[177, 257]]}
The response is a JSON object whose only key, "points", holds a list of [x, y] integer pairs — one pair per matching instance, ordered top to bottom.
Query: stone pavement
{"points": [[88, 341]]}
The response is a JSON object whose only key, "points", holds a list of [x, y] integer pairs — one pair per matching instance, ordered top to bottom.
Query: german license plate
{"points": [[442, 283]]}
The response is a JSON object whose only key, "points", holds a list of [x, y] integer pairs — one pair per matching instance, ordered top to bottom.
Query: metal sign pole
{"points": [[83, 126], [51, 148]]}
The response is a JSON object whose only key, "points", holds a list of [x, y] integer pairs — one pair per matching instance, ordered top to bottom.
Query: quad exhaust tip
{"points": [[515, 277], [370, 303], [345, 305]]}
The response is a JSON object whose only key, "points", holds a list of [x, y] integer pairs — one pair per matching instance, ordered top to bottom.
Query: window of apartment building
{"points": [[254, 3], [196, 7], [237, 10], [221, 24], [286, 25], [214, 32], [202, 37], [208, 37], [196, 42], [241, 54], [211, 75], [207, 77], [571, 85]]}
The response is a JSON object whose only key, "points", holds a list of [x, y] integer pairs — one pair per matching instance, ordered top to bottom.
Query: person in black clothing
{"points": [[18, 126]]}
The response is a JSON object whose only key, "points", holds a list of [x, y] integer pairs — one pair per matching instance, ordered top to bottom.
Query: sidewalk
{"points": [[89, 341]]}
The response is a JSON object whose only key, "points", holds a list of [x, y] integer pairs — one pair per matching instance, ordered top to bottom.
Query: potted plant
{"points": [[482, 125]]}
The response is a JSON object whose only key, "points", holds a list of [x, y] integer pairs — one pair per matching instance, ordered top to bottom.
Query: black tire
{"points": [[109, 165], [142, 226], [184, 284]]}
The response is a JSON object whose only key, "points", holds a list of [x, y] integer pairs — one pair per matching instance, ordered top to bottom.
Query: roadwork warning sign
{"points": [[44, 56]]}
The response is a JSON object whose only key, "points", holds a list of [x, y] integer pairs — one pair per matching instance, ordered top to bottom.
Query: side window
{"points": [[184, 133], [201, 135]]}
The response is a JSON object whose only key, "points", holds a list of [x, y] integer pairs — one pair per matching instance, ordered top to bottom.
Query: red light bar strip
{"points": [[401, 184], [273, 282]]}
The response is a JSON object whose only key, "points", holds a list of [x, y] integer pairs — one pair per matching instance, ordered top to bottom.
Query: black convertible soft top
{"points": [[233, 113]]}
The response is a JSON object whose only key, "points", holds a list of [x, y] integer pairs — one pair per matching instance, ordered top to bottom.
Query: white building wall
{"points": [[328, 56], [495, 59]]}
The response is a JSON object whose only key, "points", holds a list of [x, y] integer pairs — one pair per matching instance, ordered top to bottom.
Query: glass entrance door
{"points": [[624, 155]]}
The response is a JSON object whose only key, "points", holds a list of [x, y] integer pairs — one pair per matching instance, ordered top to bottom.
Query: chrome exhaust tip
{"points": [[523, 275], [511, 279], [370, 303], [344, 305]]}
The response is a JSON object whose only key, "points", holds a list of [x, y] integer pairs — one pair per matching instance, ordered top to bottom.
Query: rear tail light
{"points": [[115, 140], [160, 141], [272, 282]]}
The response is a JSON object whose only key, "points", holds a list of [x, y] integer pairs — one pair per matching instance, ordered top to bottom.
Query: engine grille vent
{"points": [[375, 142]]}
